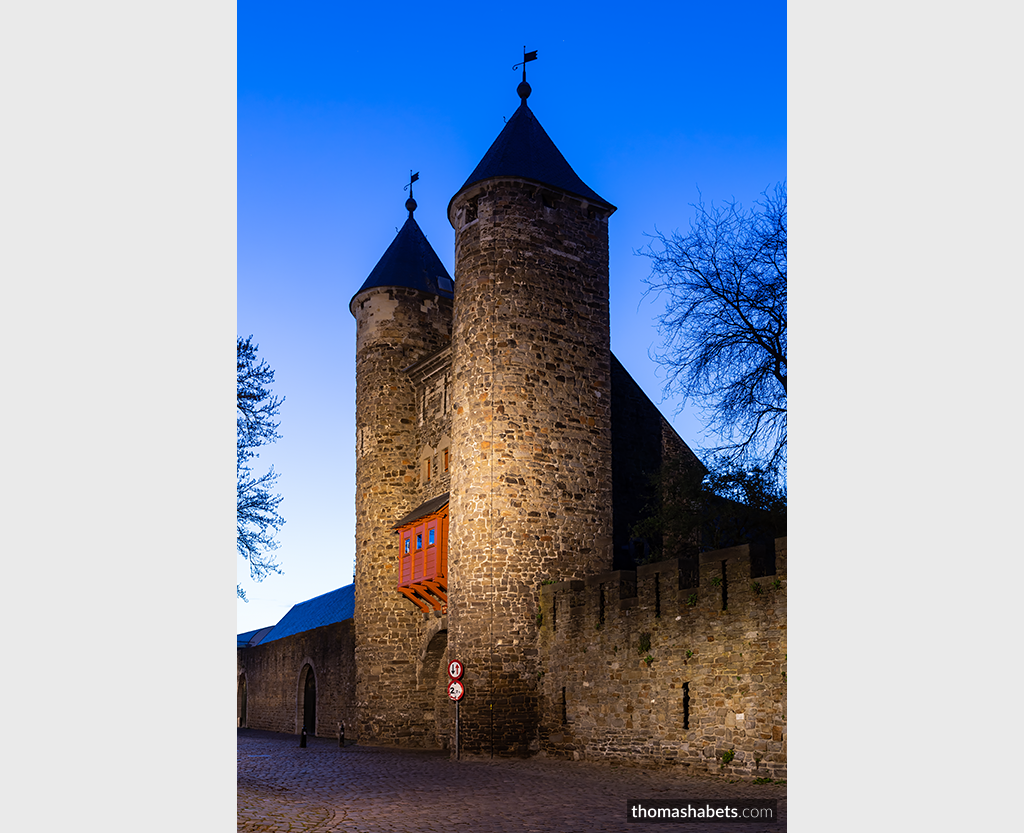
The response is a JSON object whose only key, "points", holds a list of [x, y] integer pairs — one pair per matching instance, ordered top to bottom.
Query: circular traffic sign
{"points": [[455, 669], [456, 690]]}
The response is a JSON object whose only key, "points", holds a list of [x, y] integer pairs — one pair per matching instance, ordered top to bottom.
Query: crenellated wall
{"points": [[636, 667]]}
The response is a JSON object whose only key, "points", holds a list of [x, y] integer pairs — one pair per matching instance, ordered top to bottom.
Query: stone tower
{"points": [[403, 313], [531, 480]]}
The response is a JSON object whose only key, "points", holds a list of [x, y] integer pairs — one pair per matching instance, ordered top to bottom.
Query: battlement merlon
{"points": [[661, 584]]}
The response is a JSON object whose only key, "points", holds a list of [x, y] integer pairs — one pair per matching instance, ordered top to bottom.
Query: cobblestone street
{"points": [[362, 789]]}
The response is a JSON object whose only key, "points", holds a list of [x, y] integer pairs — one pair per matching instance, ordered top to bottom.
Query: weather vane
{"points": [[527, 57], [412, 178], [411, 203]]}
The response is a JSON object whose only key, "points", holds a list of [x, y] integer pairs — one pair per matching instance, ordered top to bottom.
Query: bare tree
{"points": [[724, 325], [258, 517]]}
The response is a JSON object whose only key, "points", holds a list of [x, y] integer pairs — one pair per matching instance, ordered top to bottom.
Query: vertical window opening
{"points": [[446, 459], [725, 589], [686, 705], [565, 718]]}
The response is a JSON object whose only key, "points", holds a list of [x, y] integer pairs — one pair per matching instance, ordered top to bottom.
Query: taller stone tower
{"points": [[403, 313], [531, 479]]}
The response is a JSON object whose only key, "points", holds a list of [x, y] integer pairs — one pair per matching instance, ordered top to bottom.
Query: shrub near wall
{"points": [[638, 668], [273, 684]]}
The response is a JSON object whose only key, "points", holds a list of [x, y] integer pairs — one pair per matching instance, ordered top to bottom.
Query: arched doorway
{"points": [[432, 678], [241, 701], [309, 701]]}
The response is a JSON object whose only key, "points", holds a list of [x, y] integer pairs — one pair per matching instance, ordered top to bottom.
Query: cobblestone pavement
{"points": [[365, 789]]}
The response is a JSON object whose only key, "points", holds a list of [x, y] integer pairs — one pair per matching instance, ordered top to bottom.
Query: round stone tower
{"points": [[403, 312], [531, 483]]}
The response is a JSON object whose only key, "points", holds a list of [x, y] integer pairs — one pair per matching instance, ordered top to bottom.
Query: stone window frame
{"points": [[426, 467]]}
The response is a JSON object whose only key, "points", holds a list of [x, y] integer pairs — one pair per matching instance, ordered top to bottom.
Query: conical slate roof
{"points": [[524, 150], [411, 262]]}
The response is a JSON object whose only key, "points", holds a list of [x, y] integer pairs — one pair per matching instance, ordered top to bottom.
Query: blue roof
{"points": [[336, 606], [250, 638]]}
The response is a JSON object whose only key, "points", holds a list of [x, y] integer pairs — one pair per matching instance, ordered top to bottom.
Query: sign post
{"points": [[456, 691]]}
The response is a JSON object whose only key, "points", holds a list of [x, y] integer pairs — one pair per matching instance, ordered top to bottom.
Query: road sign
{"points": [[455, 669], [456, 690]]}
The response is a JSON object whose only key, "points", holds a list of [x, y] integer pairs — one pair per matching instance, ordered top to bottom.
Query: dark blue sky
{"points": [[653, 107]]}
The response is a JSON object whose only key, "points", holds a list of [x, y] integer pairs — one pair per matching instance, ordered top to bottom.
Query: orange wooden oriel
{"points": [[423, 561]]}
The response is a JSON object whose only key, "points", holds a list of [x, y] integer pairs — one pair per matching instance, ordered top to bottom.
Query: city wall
{"points": [[636, 667], [274, 678]]}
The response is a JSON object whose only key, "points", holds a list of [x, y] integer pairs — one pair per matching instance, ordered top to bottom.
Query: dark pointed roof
{"points": [[524, 150], [411, 262]]}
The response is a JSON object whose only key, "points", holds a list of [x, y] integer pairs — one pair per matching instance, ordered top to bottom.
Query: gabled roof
{"points": [[524, 150], [411, 262], [424, 509], [336, 606], [250, 638]]}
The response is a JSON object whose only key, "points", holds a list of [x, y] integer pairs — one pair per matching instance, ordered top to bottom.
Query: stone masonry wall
{"points": [[395, 329], [531, 477], [274, 681], [712, 696]]}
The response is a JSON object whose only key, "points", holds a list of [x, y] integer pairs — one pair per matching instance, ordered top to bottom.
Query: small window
{"points": [[471, 210], [446, 459], [426, 469], [430, 537], [419, 542], [407, 545]]}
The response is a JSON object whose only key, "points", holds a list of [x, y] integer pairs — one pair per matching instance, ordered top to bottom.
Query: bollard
{"points": [[341, 734], [302, 738]]}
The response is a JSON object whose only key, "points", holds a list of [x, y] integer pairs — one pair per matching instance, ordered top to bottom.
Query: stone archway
{"points": [[432, 686], [242, 698], [307, 699]]}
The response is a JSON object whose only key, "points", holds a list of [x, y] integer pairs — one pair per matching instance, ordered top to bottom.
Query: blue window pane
{"points": [[430, 537], [419, 542], [407, 545]]}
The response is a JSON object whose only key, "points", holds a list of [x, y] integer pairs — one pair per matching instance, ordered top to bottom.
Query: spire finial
{"points": [[524, 89], [411, 203]]}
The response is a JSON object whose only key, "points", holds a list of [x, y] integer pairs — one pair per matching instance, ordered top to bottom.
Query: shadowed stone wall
{"points": [[274, 688]]}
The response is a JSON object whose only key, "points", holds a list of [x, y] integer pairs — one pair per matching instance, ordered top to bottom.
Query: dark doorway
{"points": [[241, 702], [309, 703]]}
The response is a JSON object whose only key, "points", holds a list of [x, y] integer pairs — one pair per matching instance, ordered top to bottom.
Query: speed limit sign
{"points": [[455, 669], [456, 690]]}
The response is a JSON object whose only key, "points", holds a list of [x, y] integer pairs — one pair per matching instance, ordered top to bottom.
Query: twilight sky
{"points": [[652, 108]]}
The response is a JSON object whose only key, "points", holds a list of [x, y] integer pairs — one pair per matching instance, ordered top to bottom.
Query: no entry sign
{"points": [[455, 669], [456, 690]]}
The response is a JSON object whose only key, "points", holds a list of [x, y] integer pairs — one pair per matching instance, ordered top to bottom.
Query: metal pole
{"points": [[456, 730]]}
